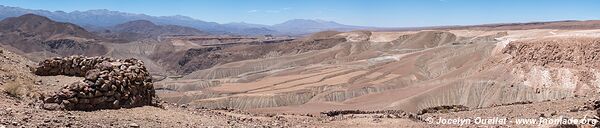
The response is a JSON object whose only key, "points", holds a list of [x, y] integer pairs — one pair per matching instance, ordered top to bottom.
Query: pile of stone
{"points": [[109, 83], [444, 109], [347, 112], [378, 114]]}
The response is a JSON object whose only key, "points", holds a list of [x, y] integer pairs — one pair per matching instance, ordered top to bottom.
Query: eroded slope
{"points": [[413, 72]]}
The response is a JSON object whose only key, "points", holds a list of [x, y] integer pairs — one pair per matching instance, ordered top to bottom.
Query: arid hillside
{"points": [[143, 29], [40, 37], [416, 72], [180, 77], [22, 92]]}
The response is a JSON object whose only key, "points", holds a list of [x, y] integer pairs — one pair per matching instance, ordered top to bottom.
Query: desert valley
{"points": [[146, 73]]}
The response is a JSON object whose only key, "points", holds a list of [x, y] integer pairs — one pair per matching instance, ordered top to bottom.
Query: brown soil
{"points": [[330, 79]]}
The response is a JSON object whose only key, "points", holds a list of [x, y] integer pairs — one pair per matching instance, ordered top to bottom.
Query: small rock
{"points": [[116, 64], [92, 74], [38, 82], [97, 94], [66, 102], [51, 106], [553, 113], [377, 120], [15, 123], [134, 125]]}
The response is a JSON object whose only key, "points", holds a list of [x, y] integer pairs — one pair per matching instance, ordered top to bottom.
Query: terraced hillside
{"points": [[410, 71]]}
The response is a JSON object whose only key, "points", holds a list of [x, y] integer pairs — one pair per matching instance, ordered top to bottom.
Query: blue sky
{"points": [[382, 13]]}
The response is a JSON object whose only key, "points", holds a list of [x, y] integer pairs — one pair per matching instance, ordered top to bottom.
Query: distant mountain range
{"points": [[101, 19], [149, 28], [138, 29]]}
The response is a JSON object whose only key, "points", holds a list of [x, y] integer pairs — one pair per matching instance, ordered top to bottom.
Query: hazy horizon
{"points": [[384, 13]]}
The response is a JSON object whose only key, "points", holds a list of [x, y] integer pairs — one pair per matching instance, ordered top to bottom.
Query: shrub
{"points": [[18, 89]]}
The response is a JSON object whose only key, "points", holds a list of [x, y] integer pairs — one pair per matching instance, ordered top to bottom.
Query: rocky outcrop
{"points": [[68, 47], [569, 53], [566, 63], [108, 83]]}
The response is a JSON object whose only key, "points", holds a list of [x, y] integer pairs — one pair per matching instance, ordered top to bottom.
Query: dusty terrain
{"points": [[409, 71], [354, 74], [328, 79], [22, 108]]}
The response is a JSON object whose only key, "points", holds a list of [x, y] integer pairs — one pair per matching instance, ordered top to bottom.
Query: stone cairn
{"points": [[108, 84]]}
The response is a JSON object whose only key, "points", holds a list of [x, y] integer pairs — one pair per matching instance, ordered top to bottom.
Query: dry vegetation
{"points": [[19, 90]]}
